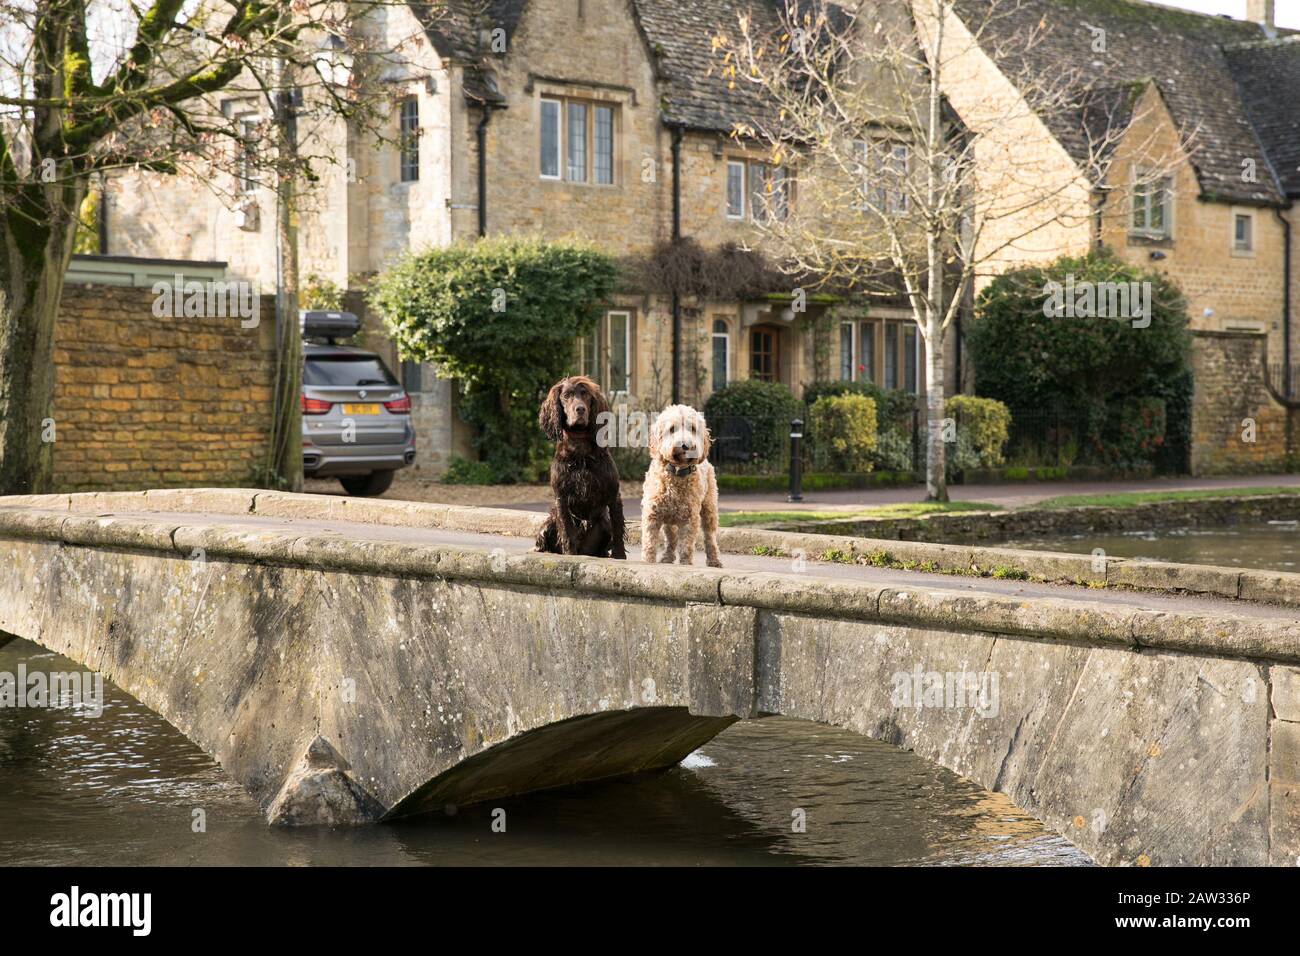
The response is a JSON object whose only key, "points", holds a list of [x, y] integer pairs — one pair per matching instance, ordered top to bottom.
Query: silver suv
{"points": [[356, 417]]}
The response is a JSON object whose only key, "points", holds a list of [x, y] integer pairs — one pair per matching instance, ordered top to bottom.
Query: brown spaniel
{"points": [[587, 514]]}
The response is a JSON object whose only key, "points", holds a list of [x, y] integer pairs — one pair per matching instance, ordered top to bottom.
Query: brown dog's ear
{"points": [[599, 403], [550, 416], [702, 428]]}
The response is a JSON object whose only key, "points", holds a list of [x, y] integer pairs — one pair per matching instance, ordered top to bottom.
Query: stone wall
{"points": [[1229, 394], [147, 402], [1142, 735]]}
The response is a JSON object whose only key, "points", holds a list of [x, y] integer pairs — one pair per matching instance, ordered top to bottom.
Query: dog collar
{"points": [[681, 472]]}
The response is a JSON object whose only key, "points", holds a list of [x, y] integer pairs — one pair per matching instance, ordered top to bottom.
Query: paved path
{"points": [[1006, 495], [1181, 604]]}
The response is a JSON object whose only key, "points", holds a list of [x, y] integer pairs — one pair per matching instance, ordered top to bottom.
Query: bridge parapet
{"points": [[345, 678]]}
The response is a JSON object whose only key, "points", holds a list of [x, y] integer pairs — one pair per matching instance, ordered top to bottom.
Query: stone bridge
{"points": [[350, 661]]}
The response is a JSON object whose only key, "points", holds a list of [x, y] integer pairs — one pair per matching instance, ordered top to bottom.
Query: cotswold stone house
{"points": [[1217, 96], [1220, 98], [604, 119], [611, 120]]}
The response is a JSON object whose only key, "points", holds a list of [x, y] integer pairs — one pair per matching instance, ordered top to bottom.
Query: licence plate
{"points": [[366, 409]]}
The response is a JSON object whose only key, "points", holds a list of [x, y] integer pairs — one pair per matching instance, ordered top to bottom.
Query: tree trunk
{"points": [[36, 238], [286, 430], [936, 480]]}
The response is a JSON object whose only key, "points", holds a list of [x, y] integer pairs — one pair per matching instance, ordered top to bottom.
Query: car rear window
{"points": [[348, 371]]}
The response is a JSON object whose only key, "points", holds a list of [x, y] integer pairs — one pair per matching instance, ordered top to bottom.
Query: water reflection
{"points": [[1273, 545], [121, 790]]}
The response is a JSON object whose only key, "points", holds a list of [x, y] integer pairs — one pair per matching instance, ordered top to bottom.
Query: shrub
{"points": [[500, 316], [1027, 359], [1076, 371], [894, 406], [769, 408], [985, 422], [844, 429], [1134, 433], [893, 450], [961, 456], [462, 471]]}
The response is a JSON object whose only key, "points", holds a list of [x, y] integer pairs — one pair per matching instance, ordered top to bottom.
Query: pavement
{"points": [[1003, 495], [1182, 604]]}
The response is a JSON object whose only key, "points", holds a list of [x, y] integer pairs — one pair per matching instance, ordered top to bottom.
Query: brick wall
{"points": [[1229, 389], [147, 402]]}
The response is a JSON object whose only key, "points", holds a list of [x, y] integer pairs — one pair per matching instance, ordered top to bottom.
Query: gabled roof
{"points": [[453, 28], [680, 34], [1183, 53], [1268, 81]]}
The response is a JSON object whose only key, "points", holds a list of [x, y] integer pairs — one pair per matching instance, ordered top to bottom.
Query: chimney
{"points": [[1261, 12]]}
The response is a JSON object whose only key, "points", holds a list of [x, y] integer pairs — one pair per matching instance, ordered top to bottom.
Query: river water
{"points": [[1273, 545], [122, 789]]}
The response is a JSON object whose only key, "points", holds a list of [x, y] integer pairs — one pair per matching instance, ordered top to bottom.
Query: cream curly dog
{"points": [[681, 492]]}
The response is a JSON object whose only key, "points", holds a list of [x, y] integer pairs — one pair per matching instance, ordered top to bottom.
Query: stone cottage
{"points": [[607, 120]]}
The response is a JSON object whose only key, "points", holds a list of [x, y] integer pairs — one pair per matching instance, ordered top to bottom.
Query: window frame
{"points": [[408, 139], [565, 139], [558, 152], [740, 166], [767, 172], [246, 183], [883, 187], [1163, 187], [1248, 247], [725, 335], [594, 352], [774, 354], [905, 363]]}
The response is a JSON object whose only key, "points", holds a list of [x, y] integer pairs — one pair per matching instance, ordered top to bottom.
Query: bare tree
{"points": [[90, 87], [879, 186]]}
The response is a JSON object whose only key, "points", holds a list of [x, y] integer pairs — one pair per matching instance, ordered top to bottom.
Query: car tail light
{"points": [[315, 406], [399, 406]]}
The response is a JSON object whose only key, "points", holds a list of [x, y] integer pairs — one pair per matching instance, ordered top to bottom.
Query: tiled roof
{"points": [[453, 27], [680, 33], [1183, 53], [1268, 81], [1224, 82]]}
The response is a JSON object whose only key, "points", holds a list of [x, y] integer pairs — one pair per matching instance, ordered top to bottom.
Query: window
{"points": [[583, 133], [409, 139], [550, 152], [602, 156], [246, 166], [576, 170], [883, 170], [763, 186], [735, 190], [1151, 206], [1243, 232], [884, 351], [847, 352], [721, 353], [606, 356], [764, 357], [346, 370]]}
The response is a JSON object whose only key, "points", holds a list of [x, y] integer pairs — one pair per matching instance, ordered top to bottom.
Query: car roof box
{"points": [[328, 325]]}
